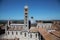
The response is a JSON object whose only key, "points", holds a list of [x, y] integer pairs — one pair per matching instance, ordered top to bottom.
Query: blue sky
{"points": [[39, 9]]}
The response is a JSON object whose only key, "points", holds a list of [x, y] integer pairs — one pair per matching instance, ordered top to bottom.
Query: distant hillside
{"points": [[3, 21], [14, 21], [22, 21]]}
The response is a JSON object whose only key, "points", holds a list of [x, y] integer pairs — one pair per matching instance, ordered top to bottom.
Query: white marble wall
{"points": [[48, 26], [21, 36]]}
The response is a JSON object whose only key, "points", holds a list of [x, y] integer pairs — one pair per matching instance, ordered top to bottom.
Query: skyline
{"points": [[39, 9]]}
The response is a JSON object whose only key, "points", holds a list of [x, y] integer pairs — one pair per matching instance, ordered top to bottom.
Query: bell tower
{"points": [[26, 17]]}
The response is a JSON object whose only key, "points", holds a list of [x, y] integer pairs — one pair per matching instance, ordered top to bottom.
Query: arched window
{"points": [[25, 13], [26, 25], [38, 26], [42, 26], [8, 32], [12, 33], [16, 33], [20, 33], [25, 34], [30, 35], [36, 35]]}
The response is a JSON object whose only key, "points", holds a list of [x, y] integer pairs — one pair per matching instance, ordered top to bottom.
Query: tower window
{"points": [[25, 9], [26, 13], [26, 16], [26, 22], [26, 25]]}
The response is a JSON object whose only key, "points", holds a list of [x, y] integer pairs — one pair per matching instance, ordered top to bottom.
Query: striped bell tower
{"points": [[26, 17]]}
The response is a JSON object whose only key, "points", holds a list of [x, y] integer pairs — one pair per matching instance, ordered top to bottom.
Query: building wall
{"points": [[48, 26], [16, 27], [21, 35], [33, 36]]}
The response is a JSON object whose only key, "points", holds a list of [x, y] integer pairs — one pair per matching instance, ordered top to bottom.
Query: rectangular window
{"points": [[25, 9]]}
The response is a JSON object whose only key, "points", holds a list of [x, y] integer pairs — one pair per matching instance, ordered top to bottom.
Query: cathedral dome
{"points": [[32, 20]]}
